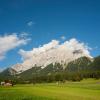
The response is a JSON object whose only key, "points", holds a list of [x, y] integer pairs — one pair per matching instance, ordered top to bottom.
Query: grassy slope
{"points": [[84, 90]]}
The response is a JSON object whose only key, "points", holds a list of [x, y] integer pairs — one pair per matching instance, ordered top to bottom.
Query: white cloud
{"points": [[30, 23], [23, 34], [63, 37], [9, 42], [39, 50], [52, 52]]}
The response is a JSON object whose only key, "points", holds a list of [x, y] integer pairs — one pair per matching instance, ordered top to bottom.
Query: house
{"points": [[2, 83], [7, 83]]}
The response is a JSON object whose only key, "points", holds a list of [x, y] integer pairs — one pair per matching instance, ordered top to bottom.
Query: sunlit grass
{"points": [[85, 90]]}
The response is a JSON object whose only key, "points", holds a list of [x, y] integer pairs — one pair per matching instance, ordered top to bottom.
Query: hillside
{"points": [[79, 64], [79, 68]]}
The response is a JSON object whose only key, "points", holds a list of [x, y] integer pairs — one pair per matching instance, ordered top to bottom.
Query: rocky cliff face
{"points": [[53, 52], [45, 59]]}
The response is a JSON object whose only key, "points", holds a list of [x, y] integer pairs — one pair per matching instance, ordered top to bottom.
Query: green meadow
{"points": [[87, 89]]}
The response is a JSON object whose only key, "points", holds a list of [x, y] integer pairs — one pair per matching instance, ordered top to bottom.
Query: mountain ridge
{"points": [[81, 67]]}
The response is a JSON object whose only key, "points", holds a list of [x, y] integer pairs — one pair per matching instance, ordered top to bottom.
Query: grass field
{"points": [[85, 90]]}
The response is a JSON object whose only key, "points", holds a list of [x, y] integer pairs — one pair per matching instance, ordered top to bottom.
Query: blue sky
{"points": [[44, 20]]}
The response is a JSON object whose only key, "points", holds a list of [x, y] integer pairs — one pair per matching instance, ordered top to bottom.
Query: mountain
{"points": [[53, 55], [79, 64], [83, 65], [95, 65], [17, 68], [6, 74], [28, 74]]}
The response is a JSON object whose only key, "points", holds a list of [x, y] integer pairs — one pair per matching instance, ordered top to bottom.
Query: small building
{"points": [[2, 83], [7, 83]]}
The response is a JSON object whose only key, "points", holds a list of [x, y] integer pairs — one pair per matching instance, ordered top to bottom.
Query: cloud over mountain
{"points": [[30, 23], [9, 42], [36, 51], [54, 51]]}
